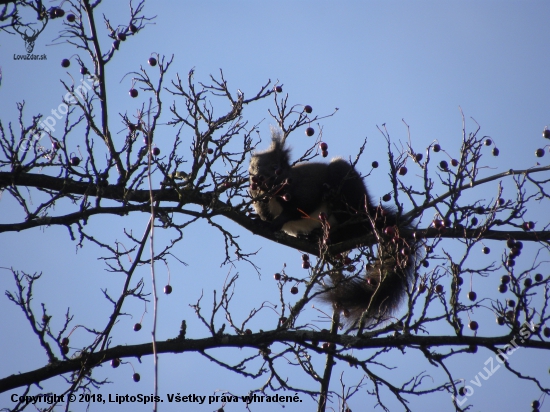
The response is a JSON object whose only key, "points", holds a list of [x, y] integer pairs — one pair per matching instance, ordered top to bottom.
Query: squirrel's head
{"points": [[270, 167]]}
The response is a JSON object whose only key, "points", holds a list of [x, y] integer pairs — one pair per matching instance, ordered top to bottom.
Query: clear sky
{"points": [[377, 62]]}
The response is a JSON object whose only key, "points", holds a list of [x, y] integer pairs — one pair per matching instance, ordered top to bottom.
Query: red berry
{"points": [[59, 12], [71, 18], [133, 28], [121, 36], [152, 61], [65, 63], [83, 70], [279, 89], [133, 92], [308, 108], [310, 131], [546, 133], [488, 142], [323, 146], [436, 147], [210, 150], [156, 151], [496, 152], [539, 152], [324, 153], [418, 157], [75, 161], [454, 162], [374, 164], [443, 164], [402, 170], [386, 197], [437, 223], [389, 231], [486, 250], [514, 252], [305, 257], [306, 264], [277, 276], [538, 277], [505, 279], [459, 281], [527, 282], [421, 288], [439, 288], [502, 288], [168, 289], [294, 290], [472, 295], [511, 303], [501, 320], [473, 325], [137, 327], [546, 332], [64, 341], [64, 349], [115, 363], [136, 377]]}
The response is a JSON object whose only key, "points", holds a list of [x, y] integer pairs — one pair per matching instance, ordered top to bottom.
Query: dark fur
{"points": [[290, 198]]}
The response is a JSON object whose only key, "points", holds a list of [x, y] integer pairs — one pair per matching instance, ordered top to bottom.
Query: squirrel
{"points": [[304, 198]]}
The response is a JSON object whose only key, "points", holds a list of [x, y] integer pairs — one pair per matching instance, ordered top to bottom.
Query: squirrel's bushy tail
{"points": [[374, 296]]}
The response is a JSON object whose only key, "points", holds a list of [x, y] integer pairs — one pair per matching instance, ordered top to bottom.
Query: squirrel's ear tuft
{"points": [[277, 134]]}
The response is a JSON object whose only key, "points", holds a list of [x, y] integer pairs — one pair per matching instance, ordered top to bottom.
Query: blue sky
{"points": [[377, 62]]}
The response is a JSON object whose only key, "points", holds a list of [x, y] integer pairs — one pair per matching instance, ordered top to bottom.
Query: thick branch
{"points": [[258, 340]]}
